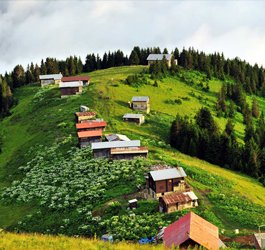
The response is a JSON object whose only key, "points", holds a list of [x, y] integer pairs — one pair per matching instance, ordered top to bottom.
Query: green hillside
{"points": [[228, 199]]}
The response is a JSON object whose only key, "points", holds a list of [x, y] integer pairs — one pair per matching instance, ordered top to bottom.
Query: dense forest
{"points": [[249, 78], [203, 139]]}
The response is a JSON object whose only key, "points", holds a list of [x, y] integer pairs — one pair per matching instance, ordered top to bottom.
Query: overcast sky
{"points": [[34, 29]]}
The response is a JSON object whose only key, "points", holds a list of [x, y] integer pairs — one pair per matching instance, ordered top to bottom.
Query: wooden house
{"points": [[152, 58], [50, 79], [84, 79], [70, 88], [141, 103], [84, 116], [137, 118], [91, 125], [116, 137], [85, 138], [119, 149], [128, 153], [166, 181], [177, 201], [190, 231], [259, 240]]}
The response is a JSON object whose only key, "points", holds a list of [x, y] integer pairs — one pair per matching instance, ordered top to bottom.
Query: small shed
{"points": [[50, 79], [84, 79], [70, 88], [141, 103], [84, 116], [137, 118], [91, 125], [87, 137], [177, 201], [133, 203], [259, 240]]}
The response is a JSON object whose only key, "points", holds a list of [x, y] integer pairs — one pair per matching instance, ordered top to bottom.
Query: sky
{"points": [[34, 29]]}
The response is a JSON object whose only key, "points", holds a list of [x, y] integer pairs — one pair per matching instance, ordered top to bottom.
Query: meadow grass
{"points": [[42, 117]]}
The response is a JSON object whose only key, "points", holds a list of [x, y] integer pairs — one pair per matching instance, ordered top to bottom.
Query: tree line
{"points": [[250, 78], [202, 138]]}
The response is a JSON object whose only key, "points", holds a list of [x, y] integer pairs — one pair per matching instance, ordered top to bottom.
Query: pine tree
{"points": [[134, 59], [255, 108]]}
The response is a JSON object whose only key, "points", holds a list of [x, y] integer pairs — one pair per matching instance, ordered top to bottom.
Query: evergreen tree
{"points": [[134, 59], [18, 76], [255, 108], [205, 120]]}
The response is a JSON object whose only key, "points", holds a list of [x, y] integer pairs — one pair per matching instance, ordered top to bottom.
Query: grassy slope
{"points": [[45, 118], [10, 241]]}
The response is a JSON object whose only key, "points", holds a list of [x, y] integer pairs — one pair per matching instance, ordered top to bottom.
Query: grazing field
{"points": [[41, 169], [10, 241]]}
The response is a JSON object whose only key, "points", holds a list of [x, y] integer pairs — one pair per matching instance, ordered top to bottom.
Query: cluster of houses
{"points": [[71, 85], [114, 146], [168, 185]]}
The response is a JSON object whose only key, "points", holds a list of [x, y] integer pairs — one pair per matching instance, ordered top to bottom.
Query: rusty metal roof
{"points": [[75, 78], [85, 113], [88, 134], [174, 198], [194, 227]]}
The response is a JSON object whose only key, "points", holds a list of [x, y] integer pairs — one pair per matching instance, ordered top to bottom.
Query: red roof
{"points": [[75, 78], [91, 124], [88, 134], [175, 198], [192, 226]]}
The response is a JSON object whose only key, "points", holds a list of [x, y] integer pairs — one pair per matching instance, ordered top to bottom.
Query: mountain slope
{"points": [[43, 118]]}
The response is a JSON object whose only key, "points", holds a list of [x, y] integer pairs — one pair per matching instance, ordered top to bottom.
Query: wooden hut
{"points": [[152, 58], [50, 79], [84, 79], [70, 88], [141, 103], [84, 116], [137, 118], [91, 125], [87, 137], [119, 149], [165, 181], [177, 201], [259, 240]]}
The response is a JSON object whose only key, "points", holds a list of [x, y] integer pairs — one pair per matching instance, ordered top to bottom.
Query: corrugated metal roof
{"points": [[158, 57], [51, 76], [75, 78], [70, 84], [140, 98], [85, 113], [132, 116], [91, 124], [91, 133], [117, 137], [115, 144], [169, 173], [176, 198], [132, 201], [192, 226]]}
